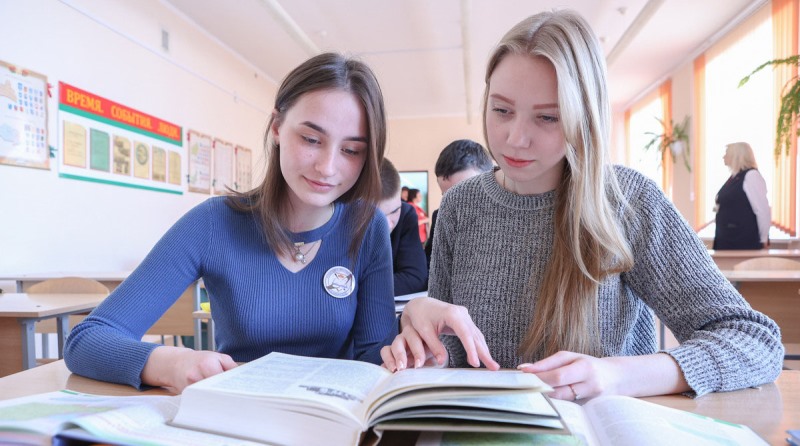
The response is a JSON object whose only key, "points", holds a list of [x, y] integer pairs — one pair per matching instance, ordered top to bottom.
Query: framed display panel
{"points": [[23, 118], [106, 142], [200, 151]]}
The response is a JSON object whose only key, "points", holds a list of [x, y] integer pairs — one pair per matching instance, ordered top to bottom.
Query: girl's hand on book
{"points": [[423, 320], [175, 368], [575, 376]]}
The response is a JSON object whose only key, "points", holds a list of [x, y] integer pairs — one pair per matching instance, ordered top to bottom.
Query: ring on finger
{"points": [[576, 396]]}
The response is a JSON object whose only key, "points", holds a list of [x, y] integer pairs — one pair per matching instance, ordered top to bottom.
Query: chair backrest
{"points": [[767, 263], [69, 285]]}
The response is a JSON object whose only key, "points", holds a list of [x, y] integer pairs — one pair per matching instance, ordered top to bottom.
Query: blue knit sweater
{"points": [[258, 305]]}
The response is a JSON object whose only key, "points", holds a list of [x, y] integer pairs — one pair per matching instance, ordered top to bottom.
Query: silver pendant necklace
{"points": [[300, 256]]}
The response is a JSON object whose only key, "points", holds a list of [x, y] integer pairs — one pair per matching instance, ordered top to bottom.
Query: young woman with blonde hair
{"points": [[555, 261]]}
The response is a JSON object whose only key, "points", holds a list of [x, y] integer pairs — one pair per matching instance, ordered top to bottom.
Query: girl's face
{"points": [[522, 124], [323, 146], [727, 157]]}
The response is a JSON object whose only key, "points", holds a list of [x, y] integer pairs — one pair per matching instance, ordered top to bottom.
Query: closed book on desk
{"points": [[285, 399]]}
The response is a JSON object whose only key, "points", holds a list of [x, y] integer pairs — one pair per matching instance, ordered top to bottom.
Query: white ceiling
{"points": [[428, 65]]}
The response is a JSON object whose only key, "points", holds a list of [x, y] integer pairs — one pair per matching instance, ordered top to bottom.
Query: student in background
{"points": [[458, 161], [404, 194], [415, 199], [743, 213], [555, 262], [301, 264], [409, 265]]}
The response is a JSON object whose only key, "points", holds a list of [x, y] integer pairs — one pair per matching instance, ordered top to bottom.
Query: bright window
{"points": [[738, 114], [643, 119]]}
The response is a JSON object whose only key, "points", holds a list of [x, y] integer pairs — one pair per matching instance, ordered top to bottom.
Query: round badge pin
{"points": [[339, 282]]}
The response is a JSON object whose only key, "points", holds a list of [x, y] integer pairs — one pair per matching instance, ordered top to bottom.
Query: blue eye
{"points": [[310, 139]]}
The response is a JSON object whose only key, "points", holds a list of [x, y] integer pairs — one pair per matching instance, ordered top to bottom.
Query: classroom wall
{"points": [[112, 49]]}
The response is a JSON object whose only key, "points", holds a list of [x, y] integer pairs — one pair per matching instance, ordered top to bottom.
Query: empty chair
{"points": [[767, 263], [67, 285]]}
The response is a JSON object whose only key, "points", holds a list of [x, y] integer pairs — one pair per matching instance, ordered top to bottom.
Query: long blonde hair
{"points": [[270, 199], [589, 242]]}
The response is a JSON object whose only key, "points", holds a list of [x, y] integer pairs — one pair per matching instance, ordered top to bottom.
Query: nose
{"points": [[519, 133], [326, 162]]}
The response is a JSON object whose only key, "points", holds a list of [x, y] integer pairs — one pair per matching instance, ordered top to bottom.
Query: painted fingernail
{"points": [[522, 366]]}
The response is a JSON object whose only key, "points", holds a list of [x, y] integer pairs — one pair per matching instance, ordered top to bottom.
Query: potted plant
{"points": [[790, 104], [675, 138]]}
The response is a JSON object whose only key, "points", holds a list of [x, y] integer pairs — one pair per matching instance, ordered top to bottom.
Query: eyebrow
{"points": [[535, 107], [324, 132]]}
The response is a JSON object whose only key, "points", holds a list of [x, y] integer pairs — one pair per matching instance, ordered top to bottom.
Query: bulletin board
{"points": [[23, 117], [108, 142], [200, 159]]}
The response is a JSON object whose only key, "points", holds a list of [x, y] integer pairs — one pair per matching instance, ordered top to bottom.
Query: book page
{"points": [[449, 379], [339, 384], [47, 413], [624, 421], [146, 425]]}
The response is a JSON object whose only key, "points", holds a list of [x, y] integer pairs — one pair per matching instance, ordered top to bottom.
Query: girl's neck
{"points": [[304, 218]]}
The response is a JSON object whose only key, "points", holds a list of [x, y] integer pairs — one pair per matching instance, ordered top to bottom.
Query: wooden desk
{"points": [[725, 259], [111, 279], [775, 293], [18, 314], [174, 322], [769, 410]]}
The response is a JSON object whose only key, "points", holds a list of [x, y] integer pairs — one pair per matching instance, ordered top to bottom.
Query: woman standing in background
{"points": [[743, 213]]}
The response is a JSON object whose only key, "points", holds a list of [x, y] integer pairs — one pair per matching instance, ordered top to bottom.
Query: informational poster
{"points": [[23, 118], [107, 142], [200, 147], [223, 167], [244, 169]]}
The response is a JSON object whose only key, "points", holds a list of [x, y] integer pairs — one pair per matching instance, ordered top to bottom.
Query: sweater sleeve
{"points": [[756, 190], [410, 268], [374, 325], [724, 343], [107, 345]]}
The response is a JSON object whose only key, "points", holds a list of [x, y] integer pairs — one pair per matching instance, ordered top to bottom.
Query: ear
{"points": [[274, 129]]}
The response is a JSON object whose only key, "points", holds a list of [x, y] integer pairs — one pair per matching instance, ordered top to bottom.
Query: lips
{"points": [[513, 162], [319, 185]]}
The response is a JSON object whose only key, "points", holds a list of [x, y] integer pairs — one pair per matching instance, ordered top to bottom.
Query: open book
{"points": [[285, 399], [48, 418], [617, 421]]}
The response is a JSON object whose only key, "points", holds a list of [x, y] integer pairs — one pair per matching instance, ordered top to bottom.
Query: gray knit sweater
{"points": [[489, 241]]}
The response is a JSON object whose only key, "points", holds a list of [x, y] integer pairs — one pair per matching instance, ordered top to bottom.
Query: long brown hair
{"points": [[270, 200], [589, 242]]}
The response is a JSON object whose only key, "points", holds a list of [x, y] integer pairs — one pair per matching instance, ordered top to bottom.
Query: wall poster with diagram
{"points": [[23, 118], [107, 142], [200, 159], [223, 166], [244, 169]]}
